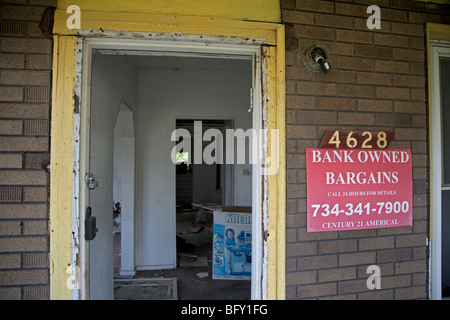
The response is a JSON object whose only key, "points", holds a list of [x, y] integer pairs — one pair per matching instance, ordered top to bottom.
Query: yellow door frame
{"points": [[253, 19]]}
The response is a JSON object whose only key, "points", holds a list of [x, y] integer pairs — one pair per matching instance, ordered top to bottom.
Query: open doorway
{"points": [[157, 90]]}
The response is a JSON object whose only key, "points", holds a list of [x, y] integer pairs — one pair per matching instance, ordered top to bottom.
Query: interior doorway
{"points": [[157, 90]]}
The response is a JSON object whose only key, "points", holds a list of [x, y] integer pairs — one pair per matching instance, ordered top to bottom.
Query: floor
{"points": [[194, 272]]}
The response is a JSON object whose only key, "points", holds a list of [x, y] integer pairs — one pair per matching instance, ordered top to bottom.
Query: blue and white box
{"points": [[232, 245]]}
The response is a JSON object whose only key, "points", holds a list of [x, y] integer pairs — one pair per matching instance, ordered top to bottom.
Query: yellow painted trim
{"points": [[248, 10], [151, 17], [156, 23], [434, 32], [281, 124], [61, 166], [276, 183]]}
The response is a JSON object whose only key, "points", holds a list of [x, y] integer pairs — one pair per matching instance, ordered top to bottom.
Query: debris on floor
{"points": [[146, 289]]}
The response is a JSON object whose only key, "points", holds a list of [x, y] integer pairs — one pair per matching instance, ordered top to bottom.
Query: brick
{"points": [[315, 5], [351, 10], [29, 13], [291, 16], [420, 17], [331, 20], [13, 28], [407, 29], [33, 30], [310, 32], [354, 36], [391, 40], [27, 45], [373, 52], [409, 55], [12, 61], [39, 61], [350, 63], [394, 67], [25, 78], [409, 81], [316, 88], [352, 90], [392, 93], [12, 94], [37, 94], [300, 102], [341, 104], [374, 105], [410, 107], [24, 111], [316, 117], [359, 118], [393, 120], [10, 127], [36, 127], [302, 132], [410, 134], [11, 144], [10, 160], [23, 177], [295, 191], [10, 194], [35, 194], [23, 211], [34, 227], [10, 228], [411, 240], [376, 243], [22, 244], [337, 246], [301, 249], [394, 255], [357, 258], [35, 260], [10, 261], [317, 262], [414, 266], [337, 274], [23, 277], [303, 277], [352, 286], [316, 290], [10, 293], [35, 293], [410, 293], [377, 295]]}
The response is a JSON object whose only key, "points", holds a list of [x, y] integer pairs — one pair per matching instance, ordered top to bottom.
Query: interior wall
{"points": [[113, 81], [171, 88]]}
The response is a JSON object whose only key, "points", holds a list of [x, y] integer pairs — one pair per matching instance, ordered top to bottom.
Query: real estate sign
{"points": [[351, 189]]}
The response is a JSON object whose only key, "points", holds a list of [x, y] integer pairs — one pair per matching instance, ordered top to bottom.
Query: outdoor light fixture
{"points": [[318, 56], [314, 57]]}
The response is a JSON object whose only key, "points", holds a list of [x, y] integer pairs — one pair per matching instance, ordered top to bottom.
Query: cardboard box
{"points": [[232, 243]]}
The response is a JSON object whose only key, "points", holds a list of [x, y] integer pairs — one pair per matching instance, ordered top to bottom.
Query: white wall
{"points": [[114, 81], [171, 88]]}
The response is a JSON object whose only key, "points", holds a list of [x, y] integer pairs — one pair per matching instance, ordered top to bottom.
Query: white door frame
{"points": [[199, 46], [437, 50]]}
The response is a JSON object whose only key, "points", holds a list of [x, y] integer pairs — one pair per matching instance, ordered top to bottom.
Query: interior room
{"points": [[159, 225]]}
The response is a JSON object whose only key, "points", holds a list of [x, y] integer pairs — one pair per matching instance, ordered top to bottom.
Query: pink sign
{"points": [[353, 189]]}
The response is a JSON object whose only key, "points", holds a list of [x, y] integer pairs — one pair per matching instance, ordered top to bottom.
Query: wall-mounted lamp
{"points": [[315, 57]]}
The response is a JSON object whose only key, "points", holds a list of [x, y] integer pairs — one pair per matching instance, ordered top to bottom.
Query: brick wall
{"points": [[25, 80], [378, 81]]}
